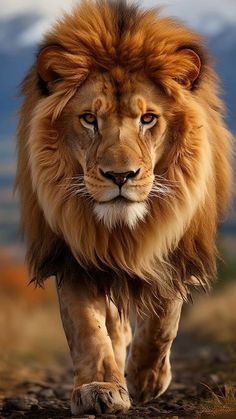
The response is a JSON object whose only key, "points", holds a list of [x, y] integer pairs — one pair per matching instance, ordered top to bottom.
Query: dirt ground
{"points": [[198, 390]]}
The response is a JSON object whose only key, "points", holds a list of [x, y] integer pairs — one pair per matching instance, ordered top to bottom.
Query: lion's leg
{"points": [[120, 333], [148, 370], [99, 385]]}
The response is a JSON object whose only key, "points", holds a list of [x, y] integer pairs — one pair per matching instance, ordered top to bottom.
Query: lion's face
{"points": [[117, 134]]}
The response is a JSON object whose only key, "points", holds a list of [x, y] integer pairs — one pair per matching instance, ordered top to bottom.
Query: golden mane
{"points": [[175, 246]]}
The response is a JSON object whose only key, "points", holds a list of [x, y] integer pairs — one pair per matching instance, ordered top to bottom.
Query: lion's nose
{"points": [[119, 178]]}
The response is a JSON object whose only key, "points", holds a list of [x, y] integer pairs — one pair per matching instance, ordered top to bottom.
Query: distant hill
{"points": [[223, 47], [12, 70]]}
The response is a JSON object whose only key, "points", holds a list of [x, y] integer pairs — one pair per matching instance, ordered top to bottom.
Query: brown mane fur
{"points": [[176, 245]]}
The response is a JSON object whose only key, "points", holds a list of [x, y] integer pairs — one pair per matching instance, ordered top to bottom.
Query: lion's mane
{"points": [[175, 246]]}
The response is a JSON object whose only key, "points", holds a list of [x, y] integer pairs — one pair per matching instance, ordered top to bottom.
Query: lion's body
{"points": [[119, 63]]}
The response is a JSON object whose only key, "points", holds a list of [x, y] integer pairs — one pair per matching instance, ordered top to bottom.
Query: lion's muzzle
{"points": [[119, 178]]}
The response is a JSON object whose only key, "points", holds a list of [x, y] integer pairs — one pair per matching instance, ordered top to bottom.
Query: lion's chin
{"points": [[123, 212]]}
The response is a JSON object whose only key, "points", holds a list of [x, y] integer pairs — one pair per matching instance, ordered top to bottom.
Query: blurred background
{"points": [[29, 319]]}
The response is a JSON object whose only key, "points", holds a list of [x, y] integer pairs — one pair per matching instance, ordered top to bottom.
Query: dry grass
{"points": [[214, 316], [29, 319], [29, 332], [31, 338], [221, 403]]}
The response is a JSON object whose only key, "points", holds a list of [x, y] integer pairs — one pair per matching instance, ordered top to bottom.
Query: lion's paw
{"points": [[145, 384], [99, 398]]}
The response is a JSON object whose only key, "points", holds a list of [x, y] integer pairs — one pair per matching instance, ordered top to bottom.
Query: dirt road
{"points": [[198, 370]]}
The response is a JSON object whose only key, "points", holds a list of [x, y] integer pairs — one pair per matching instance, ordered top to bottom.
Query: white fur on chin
{"points": [[113, 213]]}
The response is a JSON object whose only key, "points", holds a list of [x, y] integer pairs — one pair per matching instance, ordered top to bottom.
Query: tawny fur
{"points": [[174, 245]]}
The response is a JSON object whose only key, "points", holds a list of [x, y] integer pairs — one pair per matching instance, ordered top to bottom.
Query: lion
{"points": [[123, 175]]}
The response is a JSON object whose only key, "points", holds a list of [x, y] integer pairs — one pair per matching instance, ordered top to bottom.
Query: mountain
{"points": [[223, 46], [15, 60], [12, 70]]}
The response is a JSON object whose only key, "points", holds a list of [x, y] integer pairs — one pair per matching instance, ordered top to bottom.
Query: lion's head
{"points": [[123, 152]]}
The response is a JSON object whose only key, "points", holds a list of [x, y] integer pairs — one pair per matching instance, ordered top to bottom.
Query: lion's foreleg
{"points": [[120, 333], [148, 365], [99, 385]]}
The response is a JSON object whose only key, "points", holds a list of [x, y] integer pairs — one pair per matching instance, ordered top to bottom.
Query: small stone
{"points": [[204, 353], [222, 357], [214, 378], [34, 389], [46, 393], [62, 393], [19, 403], [50, 404]]}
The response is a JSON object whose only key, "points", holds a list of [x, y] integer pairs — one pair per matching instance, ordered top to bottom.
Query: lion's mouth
{"points": [[119, 199]]}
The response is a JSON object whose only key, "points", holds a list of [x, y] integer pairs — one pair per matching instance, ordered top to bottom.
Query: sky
{"points": [[206, 16]]}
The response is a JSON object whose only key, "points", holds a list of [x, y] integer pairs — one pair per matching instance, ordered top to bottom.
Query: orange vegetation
{"points": [[15, 282], [29, 317]]}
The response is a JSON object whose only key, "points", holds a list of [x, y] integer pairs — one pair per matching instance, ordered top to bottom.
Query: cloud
{"points": [[47, 8], [47, 12], [206, 16]]}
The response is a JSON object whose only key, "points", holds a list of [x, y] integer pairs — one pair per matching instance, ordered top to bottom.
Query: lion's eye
{"points": [[88, 119], [148, 119]]}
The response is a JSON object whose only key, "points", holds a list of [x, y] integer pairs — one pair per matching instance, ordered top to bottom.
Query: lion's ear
{"points": [[49, 64], [188, 68]]}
